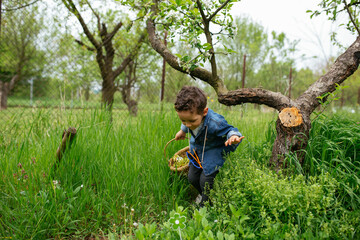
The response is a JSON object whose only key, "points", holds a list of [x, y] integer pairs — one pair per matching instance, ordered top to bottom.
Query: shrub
{"points": [[253, 202]]}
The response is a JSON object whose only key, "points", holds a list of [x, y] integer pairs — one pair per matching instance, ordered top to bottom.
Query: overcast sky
{"points": [[290, 17]]}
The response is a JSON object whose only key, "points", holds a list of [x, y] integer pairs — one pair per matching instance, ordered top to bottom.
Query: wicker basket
{"points": [[183, 170]]}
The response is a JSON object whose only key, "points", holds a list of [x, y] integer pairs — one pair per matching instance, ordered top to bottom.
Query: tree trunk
{"points": [[129, 82], [5, 88], [4, 91], [108, 91], [87, 93], [107, 95], [130, 103], [132, 107], [292, 136]]}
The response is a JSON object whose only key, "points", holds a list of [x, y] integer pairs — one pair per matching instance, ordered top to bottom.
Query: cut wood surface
{"points": [[291, 117]]}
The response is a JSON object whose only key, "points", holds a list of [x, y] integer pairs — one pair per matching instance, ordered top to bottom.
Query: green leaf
{"points": [[207, 46], [244, 218], [220, 235]]}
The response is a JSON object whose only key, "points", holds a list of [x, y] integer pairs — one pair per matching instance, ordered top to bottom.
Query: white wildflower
{"points": [[56, 184]]}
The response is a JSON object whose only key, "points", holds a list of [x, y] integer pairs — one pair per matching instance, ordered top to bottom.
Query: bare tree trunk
{"points": [[127, 87], [5, 88], [108, 91], [87, 93], [3, 95], [130, 103], [292, 129]]}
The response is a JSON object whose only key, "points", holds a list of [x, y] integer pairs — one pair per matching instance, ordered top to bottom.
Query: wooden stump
{"points": [[292, 134], [67, 138]]}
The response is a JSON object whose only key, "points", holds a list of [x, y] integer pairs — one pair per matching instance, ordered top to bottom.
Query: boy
{"points": [[211, 138]]}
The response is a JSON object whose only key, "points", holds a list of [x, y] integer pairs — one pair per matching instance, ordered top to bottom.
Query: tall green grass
{"points": [[334, 147], [109, 169], [113, 175], [318, 200]]}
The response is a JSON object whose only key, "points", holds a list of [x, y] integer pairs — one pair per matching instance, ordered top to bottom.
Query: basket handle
{"points": [[168, 144]]}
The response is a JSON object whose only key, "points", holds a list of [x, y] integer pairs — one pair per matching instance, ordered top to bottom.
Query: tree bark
{"points": [[345, 65], [127, 87], [5, 88], [108, 90], [3, 95], [256, 95], [292, 129]]}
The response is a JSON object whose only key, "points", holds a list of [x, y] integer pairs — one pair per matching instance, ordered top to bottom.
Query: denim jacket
{"points": [[217, 131]]}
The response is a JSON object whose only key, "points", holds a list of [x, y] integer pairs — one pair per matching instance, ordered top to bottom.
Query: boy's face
{"points": [[192, 119]]}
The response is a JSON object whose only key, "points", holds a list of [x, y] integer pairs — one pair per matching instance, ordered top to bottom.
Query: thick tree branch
{"points": [[110, 36], [345, 65], [256, 95]]}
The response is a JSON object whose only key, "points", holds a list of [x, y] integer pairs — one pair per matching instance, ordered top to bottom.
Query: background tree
{"points": [[101, 40], [250, 40], [21, 57], [274, 73], [294, 122]]}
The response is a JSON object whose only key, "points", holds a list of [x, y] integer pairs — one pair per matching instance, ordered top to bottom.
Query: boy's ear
{"points": [[205, 111]]}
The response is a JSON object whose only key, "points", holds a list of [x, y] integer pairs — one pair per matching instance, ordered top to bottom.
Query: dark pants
{"points": [[201, 182]]}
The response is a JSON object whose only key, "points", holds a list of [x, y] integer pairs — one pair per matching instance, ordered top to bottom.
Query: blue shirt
{"points": [[217, 131]]}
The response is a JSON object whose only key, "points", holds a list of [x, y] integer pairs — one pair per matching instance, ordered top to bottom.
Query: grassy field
{"points": [[114, 180]]}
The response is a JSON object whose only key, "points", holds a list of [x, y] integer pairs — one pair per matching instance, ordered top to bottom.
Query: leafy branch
{"points": [[327, 98]]}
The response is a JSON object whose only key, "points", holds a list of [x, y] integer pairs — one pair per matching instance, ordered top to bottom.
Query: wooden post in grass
{"points": [[67, 138]]}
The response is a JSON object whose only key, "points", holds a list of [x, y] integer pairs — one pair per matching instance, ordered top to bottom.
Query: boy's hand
{"points": [[180, 135], [234, 139]]}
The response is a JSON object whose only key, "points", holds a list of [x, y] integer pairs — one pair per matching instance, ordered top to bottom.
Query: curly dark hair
{"points": [[191, 99]]}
